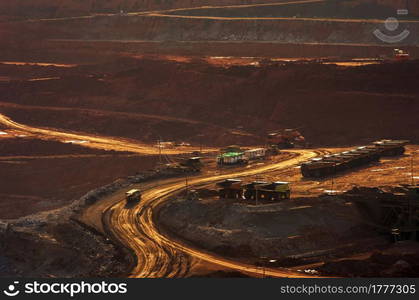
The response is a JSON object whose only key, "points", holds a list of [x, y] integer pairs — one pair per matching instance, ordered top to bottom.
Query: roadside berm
{"points": [[301, 233], [56, 243]]}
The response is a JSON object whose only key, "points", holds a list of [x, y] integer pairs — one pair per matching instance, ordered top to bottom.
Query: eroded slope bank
{"points": [[178, 28], [144, 99], [288, 230], [325, 235]]}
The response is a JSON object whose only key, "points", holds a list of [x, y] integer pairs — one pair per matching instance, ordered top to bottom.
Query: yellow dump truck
{"points": [[275, 191], [133, 196]]}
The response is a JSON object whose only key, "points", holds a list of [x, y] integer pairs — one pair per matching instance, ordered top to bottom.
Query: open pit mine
{"points": [[227, 138]]}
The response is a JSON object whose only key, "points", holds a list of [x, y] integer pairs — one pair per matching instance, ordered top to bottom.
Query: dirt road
{"points": [[140, 13], [167, 13], [98, 142], [159, 255]]}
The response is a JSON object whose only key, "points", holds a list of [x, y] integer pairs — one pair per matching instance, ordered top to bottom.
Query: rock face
{"points": [[160, 28], [292, 30]]}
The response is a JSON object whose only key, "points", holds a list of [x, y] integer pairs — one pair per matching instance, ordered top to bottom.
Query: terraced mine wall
{"points": [[63, 8], [163, 28]]}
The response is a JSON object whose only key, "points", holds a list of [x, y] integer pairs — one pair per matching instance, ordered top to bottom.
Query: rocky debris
{"points": [[288, 231], [54, 244], [58, 249], [392, 262], [222, 274]]}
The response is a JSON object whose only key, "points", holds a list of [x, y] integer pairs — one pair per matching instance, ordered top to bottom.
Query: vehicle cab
{"points": [[133, 196]]}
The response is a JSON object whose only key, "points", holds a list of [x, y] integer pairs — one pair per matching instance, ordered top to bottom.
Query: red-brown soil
{"points": [[22, 9], [144, 99], [23, 146], [42, 175], [352, 244]]}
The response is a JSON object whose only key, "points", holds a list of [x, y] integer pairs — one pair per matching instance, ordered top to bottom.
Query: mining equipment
{"points": [[401, 55], [287, 138], [390, 147], [231, 148], [272, 150], [252, 154], [232, 155], [193, 163], [331, 164], [188, 165], [230, 188], [250, 190], [257, 190], [274, 191], [133, 196], [393, 212]]}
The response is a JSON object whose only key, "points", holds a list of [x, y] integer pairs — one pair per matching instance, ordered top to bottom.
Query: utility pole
{"points": [[200, 143], [159, 145], [411, 168], [333, 179], [186, 182], [256, 196], [263, 263]]}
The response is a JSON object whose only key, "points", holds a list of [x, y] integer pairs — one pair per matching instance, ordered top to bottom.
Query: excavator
{"points": [[285, 139]]}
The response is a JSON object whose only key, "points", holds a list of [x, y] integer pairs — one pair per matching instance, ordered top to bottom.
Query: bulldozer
{"points": [[287, 138]]}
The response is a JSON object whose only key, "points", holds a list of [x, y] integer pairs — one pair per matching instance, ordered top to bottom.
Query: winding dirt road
{"points": [[168, 13], [98, 142], [158, 254]]}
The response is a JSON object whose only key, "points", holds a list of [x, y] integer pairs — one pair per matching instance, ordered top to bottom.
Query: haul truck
{"points": [[257, 190], [133, 196]]}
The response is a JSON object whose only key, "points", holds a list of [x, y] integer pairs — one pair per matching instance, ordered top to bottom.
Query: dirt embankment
{"points": [[22, 9], [324, 9], [203, 26], [163, 28], [145, 99], [23, 146], [42, 175], [287, 231], [55, 243], [57, 248], [399, 260]]}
